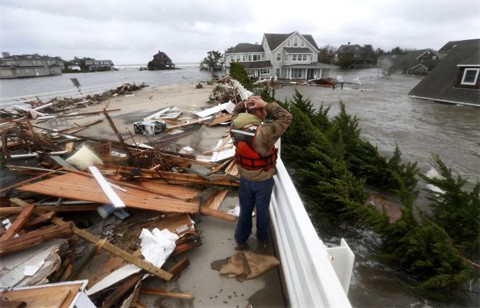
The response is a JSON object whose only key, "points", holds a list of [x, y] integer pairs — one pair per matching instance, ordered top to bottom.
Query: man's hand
{"points": [[255, 102]]}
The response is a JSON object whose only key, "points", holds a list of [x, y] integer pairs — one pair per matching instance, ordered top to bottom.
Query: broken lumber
{"points": [[79, 187], [217, 214], [18, 223], [33, 238], [119, 252], [167, 293]]}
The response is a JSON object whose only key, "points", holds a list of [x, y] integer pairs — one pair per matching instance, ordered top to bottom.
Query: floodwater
{"points": [[387, 117]]}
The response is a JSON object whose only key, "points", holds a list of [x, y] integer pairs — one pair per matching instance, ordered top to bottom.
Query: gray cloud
{"points": [[132, 31]]}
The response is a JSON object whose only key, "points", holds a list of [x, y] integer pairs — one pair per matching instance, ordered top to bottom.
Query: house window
{"points": [[295, 41], [279, 57], [297, 73], [470, 76]]}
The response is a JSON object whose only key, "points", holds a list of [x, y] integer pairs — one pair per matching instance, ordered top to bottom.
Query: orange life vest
{"points": [[246, 155]]}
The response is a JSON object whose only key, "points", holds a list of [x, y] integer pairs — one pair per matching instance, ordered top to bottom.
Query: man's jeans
{"points": [[254, 194]]}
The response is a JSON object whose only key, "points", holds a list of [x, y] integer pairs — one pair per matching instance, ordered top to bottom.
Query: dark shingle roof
{"points": [[275, 39], [246, 47], [410, 60], [440, 84]]}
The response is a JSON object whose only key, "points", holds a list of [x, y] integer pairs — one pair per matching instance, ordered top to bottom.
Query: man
{"points": [[256, 157]]}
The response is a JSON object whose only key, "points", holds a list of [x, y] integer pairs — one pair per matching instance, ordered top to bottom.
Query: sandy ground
{"points": [[130, 108]]}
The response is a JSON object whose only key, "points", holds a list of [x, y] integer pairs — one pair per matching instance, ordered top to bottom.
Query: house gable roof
{"points": [[276, 39], [348, 48], [412, 59], [440, 84]]}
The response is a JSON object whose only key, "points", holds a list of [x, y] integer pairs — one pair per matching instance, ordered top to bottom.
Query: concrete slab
{"points": [[210, 288]]}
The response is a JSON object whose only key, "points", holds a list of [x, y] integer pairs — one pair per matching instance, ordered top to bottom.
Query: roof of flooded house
{"points": [[444, 82]]}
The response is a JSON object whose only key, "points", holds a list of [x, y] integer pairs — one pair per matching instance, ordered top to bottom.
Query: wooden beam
{"points": [[7, 210], [217, 214], [18, 223], [33, 238], [119, 252], [167, 293]]}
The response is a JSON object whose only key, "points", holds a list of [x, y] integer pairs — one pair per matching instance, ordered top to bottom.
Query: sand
{"points": [[134, 107]]}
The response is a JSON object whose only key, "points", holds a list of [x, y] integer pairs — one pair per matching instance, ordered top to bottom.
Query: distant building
{"points": [[280, 55], [355, 55], [160, 62], [417, 62], [99, 65], [22, 66], [456, 78]]}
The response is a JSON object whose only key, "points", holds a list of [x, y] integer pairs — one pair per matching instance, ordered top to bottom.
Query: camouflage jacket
{"points": [[267, 135]]}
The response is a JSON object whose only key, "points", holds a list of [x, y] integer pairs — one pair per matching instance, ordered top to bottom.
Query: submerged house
{"points": [[355, 55], [286, 56], [161, 61], [417, 62], [22, 66], [456, 77]]}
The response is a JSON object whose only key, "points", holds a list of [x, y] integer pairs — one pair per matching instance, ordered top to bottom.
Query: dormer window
{"points": [[470, 76]]}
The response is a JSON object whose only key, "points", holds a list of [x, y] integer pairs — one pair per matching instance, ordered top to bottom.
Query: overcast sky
{"points": [[131, 32]]}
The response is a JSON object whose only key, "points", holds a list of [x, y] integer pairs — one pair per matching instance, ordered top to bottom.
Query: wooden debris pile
{"points": [[224, 91], [61, 105], [80, 208]]}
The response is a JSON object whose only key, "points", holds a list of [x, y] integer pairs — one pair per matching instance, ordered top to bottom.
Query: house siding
{"points": [[298, 57], [22, 66]]}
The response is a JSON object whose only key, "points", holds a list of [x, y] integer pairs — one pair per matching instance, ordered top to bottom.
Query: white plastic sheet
{"points": [[157, 245]]}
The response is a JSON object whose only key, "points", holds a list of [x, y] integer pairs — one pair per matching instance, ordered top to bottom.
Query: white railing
{"points": [[315, 276]]}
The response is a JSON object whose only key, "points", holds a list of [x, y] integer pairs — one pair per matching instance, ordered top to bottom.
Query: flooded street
{"points": [[388, 117]]}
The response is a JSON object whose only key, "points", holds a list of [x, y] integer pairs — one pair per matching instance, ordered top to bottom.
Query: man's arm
{"points": [[269, 133]]}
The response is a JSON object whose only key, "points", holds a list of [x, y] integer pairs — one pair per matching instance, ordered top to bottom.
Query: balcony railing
{"points": [[315, 276]]}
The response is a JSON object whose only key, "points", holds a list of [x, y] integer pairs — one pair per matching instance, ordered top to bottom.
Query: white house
{"points": [[287, 56]]}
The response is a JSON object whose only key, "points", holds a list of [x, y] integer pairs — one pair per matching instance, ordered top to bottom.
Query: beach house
{"points": [[292, 56]]}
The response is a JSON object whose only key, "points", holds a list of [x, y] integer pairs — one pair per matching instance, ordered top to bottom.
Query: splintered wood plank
{"points": [[169, 177], [156, 186], [79, 187], [216, 199], [40, 209], [18, 223], [33, 238], [124, 255], [166, 293], [55, 296]]}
